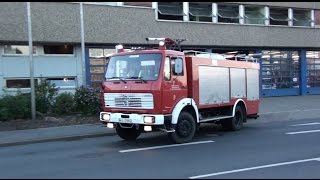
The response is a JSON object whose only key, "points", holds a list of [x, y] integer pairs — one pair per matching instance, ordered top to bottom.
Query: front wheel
{"points": [[236, 122], [184, 130], [128, 133]]}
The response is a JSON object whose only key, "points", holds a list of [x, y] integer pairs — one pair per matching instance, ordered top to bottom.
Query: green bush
{"points": [[45, 96], [87, 101], [64, 104], [15, 107]]}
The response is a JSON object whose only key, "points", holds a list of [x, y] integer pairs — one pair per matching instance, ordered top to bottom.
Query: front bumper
{"points": [[159, 119]]}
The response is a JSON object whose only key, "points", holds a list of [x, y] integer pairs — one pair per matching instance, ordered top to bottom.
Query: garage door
{"points": [[280, 73]]}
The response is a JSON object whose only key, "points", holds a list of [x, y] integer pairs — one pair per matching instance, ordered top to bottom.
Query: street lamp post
{"points": [[82, 45], [33, 101]]}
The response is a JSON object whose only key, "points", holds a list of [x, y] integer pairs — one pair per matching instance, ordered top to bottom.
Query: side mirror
{"points": [[178, 66]]}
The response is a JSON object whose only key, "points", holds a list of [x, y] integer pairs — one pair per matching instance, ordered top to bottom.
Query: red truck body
{"points": [[194, 83], [182, 92]]}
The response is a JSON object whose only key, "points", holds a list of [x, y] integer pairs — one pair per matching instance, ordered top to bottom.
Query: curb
{"points": [[289, 115], [64, 138]]}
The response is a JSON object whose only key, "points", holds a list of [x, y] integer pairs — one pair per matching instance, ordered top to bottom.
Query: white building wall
{"points": [[17, 66]]}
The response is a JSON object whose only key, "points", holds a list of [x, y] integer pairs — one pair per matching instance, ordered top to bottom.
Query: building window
{"points": [[103, 3], [142, 4], [170, 11], [200, 12], [228, 13], [254, 15], [278, 16], [301, 17], [317, 18], [58, 49], [18, 50], [96, 52], [108, 52], [313, 68], [280, 69], [62, 82], [19, 83]]}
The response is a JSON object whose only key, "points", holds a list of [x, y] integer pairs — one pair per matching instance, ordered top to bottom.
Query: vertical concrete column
{"points": [[155, 7], [186, 11], [214, 12], [241, 14], [267, 16], [290, 16], [312, 24], [1, 63], [289, 63], [87, 64], [80, 65], [1, 72], [260, 72], [303, 72], [1, 85]]}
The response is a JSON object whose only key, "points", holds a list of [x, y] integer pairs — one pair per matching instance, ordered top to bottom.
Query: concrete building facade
{"points": [[286, 34]]}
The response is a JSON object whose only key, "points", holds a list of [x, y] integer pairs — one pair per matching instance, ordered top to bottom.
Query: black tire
{"points": [[235, 123], [184, 129], [128, 133]]}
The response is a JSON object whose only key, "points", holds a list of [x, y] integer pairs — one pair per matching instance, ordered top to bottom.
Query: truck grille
{"points": [[129, 100]]}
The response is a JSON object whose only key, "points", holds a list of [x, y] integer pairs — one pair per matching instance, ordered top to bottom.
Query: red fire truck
{"points": [[173, 91]]}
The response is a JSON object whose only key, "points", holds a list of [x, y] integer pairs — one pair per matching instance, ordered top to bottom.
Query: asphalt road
{"points": [[278, 149]]}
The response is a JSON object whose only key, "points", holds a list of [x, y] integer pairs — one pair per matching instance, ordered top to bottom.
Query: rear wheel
{"points": [[236, 122], [184, 130], [131, 133]]}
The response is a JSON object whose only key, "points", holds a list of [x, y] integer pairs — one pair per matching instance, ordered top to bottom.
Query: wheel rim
{"points": [[238, 118], [184, 128]]}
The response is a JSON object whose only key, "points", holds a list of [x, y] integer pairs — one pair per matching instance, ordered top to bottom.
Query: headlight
{"points": [[105, 117], [149, 119]]}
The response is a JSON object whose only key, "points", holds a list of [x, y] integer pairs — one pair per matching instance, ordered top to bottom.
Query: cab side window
{"points": [[167, 69]]}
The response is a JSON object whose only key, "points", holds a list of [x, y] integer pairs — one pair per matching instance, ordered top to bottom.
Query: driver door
{"points": [[174, 86]]}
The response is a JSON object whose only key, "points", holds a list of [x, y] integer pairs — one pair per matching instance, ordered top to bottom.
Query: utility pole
{"points": [[82, 45], [33, 99]]}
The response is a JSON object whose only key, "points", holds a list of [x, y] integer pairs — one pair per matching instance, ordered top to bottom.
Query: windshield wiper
{"points": [[136, 77], [118, 78]]}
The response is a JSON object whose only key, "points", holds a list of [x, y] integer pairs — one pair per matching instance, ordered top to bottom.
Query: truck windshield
{"points": [[132, 67]]}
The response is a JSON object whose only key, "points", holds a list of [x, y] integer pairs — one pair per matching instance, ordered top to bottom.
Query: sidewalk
{"points": [[289, 108], [271, 109], [19, 137]]}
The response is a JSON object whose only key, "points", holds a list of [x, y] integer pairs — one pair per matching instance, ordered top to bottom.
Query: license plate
{"points": [[125, 120]]}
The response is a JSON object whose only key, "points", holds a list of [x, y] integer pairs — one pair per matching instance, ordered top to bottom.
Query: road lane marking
{"points": [[289, 111], [306, 124], [303, 132], [164, 146], [253, 168]]}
